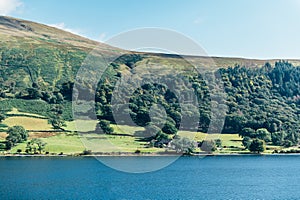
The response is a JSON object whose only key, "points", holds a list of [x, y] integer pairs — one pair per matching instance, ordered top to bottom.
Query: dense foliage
{"points": [[263, 102], [16, 134]]}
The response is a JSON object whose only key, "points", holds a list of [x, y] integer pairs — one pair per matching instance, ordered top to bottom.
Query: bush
{"points": [[2, 117], [105, 126], [169, 128], [247, 132], [263, 134], [278, 138], [218, 142], [246, 142], [287, 143], [183, 145], [208, 145], [2, 146], [257, 146], [137, 151], [275, 151], [86, 152]]}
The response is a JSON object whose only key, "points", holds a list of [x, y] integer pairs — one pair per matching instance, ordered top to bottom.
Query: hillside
{"points": [[17, 30], [33, 53], [38, 64]]}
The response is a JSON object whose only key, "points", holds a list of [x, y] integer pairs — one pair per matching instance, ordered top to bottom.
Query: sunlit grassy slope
{"points": [[122, 141]]}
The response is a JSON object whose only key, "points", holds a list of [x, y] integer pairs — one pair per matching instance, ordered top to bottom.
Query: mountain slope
{"points": [[14, 30], [36, 54]]}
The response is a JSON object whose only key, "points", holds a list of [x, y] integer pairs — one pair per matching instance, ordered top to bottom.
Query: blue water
{"points": [[222, 177]]}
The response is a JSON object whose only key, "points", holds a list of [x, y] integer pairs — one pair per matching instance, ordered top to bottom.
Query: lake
{"points": [[212, 177]]}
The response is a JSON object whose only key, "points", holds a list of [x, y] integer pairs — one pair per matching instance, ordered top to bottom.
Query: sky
{"points": [[261, 29]]}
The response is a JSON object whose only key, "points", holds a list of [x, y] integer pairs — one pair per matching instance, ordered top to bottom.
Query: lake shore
{"points": [[148, 155]]}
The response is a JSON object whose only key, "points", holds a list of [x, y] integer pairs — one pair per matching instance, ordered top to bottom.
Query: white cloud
{"points": [[9, 6], [63, 26]]}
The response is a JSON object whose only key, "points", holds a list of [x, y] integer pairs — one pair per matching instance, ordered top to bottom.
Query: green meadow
{"points": [[123, 140]]}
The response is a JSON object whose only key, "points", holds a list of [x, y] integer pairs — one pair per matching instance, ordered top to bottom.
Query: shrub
{"points": [[105, 126], [247, 132], [218, 142], [246, 142], [287, 143], [208, 145], [2, 146], [257, 146], [137, 151], [87, 152]]}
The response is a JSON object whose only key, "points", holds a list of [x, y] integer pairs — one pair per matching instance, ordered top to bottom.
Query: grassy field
{"points": [[15, 111], [28, 123], [123, 140], [56, 142], [66, 143]]}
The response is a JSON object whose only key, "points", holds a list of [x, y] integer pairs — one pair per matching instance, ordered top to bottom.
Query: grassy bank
{"points": [[122, 141]]}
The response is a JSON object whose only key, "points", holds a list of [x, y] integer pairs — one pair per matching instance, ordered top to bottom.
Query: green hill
{"points": [[38, 65]]}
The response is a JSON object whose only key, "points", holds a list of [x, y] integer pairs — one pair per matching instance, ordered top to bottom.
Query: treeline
{"points": [[263, 98]]}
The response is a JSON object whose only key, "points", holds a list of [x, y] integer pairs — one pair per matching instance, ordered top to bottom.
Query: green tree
{"points": [[66, 90], [33, 93], [2, 117], [56, 119], [57, 123], [105, 126], [169, 128], [249, 132], [16, 134], [263, 134], [161, 136], [278, 138], [161, 139], [218, 142], [247, 142], [287, 143], [40, 144], [35, 145], [183, 145], [208, 145], [257, 146], [30, 147]]}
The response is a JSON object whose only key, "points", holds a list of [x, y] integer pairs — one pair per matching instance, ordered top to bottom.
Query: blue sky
{"points": [[232, 28]]}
